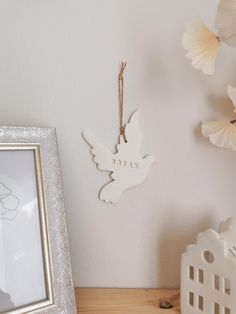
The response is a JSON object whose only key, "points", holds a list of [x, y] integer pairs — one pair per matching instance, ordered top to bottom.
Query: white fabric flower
{"points": [[202, 44], [222, 133]]}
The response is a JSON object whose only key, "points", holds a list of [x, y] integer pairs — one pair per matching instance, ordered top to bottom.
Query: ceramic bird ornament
{"points": [[203, 45], [222, 133], [127, 166]]}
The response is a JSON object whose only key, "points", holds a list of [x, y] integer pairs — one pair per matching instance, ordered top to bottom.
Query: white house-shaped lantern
{"points": [[208, 272]]}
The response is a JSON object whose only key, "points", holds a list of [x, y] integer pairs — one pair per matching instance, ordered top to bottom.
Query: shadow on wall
{"points": [[222, 105], [176, 234], [172, 244], [5, 302]]}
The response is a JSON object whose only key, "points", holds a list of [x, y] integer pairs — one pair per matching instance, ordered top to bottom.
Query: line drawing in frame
{"points": [[9, 203], [42, 224], [57, 274]]}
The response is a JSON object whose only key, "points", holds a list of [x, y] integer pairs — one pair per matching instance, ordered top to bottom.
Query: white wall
{"points": [[58, 67]]}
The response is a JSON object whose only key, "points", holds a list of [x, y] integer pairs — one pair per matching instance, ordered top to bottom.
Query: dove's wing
{"points": [[232, 95], [132, 130], [133, 136], [101, 155]]}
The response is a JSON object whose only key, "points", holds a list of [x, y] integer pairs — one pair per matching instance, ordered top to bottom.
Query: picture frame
{"points": [[35, 265]]}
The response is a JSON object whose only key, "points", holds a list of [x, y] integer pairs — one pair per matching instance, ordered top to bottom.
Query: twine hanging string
{"points": [[121, 99]]}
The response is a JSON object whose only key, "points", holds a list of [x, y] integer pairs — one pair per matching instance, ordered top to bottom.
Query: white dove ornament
{"points": [[128, 168]]}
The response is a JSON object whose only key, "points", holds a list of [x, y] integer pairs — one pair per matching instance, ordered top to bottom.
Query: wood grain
{"points": [[125, 301]]}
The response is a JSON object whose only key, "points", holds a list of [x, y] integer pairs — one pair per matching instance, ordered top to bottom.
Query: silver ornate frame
{"points": [[55, 246]]}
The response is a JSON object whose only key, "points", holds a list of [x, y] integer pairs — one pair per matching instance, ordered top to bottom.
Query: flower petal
{"points": [[226, 22], [202, 46], [220, 134]]}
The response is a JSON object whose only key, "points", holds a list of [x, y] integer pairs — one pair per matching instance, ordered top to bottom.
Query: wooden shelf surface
{"points": [[125, 301]]}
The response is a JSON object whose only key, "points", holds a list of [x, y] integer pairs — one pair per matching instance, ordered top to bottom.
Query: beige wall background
{"points": [[58, 67]]}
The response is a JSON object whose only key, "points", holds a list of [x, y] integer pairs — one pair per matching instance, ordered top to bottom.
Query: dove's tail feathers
{"points": [[111, 192]]}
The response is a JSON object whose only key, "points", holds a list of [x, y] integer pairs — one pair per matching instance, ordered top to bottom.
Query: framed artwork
{"points": [[35, 267]]}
